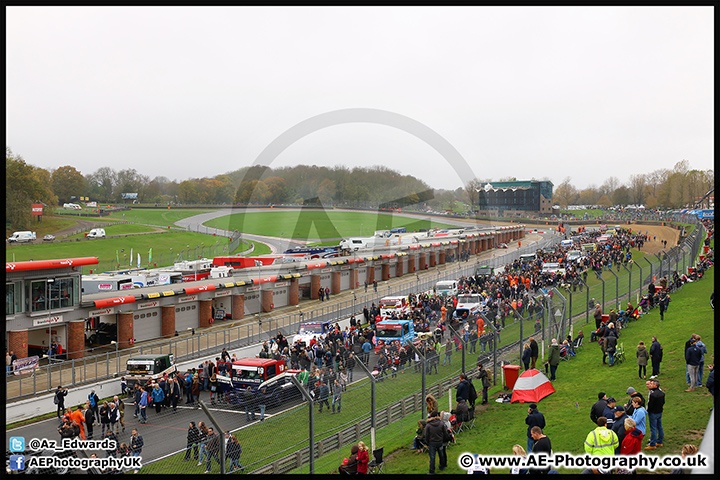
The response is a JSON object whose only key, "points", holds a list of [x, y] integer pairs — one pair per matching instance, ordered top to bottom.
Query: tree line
{"points": [[341, 186]]}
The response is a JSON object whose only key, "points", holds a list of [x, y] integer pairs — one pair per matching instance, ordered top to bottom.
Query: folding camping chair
{"points": [[578, 342], [620, 354], [469, 421], [376, 464]]}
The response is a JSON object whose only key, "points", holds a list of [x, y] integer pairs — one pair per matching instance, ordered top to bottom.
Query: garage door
{"points": [[378, 273], [362, 275], [345, 280], [325, 281], [304, 287], [280, 294], [252, 302], [186, 316], [147, 324], [38, 340]]}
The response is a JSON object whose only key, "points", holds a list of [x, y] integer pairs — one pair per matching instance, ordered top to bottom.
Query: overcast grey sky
{"points": [[525, 92]]}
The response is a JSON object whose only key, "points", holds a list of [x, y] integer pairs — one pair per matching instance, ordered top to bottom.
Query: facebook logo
{"points": [[17, 444], [17, 462]]}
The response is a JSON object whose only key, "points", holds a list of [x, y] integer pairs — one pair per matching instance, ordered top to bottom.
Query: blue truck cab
{"points": [[388, 331]]}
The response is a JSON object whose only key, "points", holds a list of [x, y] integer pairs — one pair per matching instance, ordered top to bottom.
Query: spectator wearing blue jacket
{"points": [[693, 355], [157, 397], [143, 405], [639, 414]]}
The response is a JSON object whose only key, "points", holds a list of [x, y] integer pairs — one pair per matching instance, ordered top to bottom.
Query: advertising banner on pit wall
{"points": [[25, 365]]}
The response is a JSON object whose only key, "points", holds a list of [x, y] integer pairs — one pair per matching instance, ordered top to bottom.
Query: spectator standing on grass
{"points": [[534, 351], [448, 352], [526, 356], [643, 356], [655, 357], [692, 357], [553, 358], [701, 366], [484, 381], [337, 395], [322, 397], [656, 402], [598, 407], [639, 414], [533, 419], [619, 426], [203, 429], [434, 438], [193, 439], [601, 441], [632, 441], [136, 445], [542, 446], [212, 448], [234, 450]]}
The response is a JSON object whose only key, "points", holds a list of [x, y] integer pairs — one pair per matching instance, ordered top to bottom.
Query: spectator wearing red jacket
{"points": [[632, 443], [363, 458]]}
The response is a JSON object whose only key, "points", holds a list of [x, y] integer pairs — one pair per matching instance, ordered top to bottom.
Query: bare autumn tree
{"points": [[565, 194]]}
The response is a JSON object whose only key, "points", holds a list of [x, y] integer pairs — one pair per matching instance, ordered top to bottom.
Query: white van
{"points": [[96, 233], [25, 236], [566, 243], [446, 287]]}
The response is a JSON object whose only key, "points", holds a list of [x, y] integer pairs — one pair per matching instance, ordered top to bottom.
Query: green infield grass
{"points": [[313, 224]]}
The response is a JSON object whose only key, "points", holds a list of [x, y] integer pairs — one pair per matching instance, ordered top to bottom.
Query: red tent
{"points": [[531, 387]]}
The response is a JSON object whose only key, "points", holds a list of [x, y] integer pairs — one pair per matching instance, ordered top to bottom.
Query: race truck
{"points": [[468, 304], [396, 305], [308, 330], [389, 331], [142, 368], [257, 373]]}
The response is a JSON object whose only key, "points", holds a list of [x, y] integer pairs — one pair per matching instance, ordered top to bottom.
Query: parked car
{"points": [[48, 238], [502, 245]]}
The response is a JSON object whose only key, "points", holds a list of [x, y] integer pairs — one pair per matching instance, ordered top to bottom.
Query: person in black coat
{"points": [[533, 352], [526, 356], [655, 357], [60, 394], [598, 408], [534, 419], [193, 439], [434, 439]]}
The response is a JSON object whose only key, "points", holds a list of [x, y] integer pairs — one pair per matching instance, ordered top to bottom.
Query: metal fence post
{"points": [[629, 283], [617, 284], [423, 361], [311, 420], [373, 422]]}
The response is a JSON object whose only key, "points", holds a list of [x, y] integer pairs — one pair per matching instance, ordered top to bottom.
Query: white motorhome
{"points": [[96, 233], [24, 236], [446, 288]]}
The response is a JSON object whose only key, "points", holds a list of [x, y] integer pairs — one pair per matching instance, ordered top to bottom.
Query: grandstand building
{"points": [[515, 199]]}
